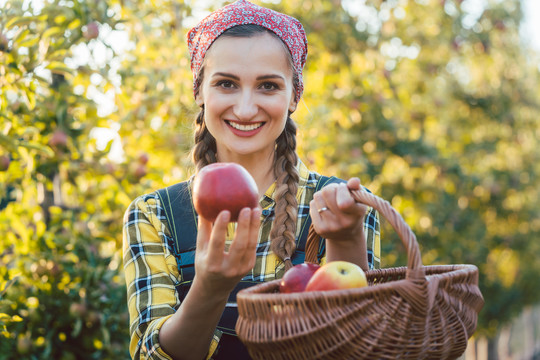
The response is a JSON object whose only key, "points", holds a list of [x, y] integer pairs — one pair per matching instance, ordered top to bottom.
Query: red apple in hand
{"points": [[224, 186], [337, 275], [297, 277]]}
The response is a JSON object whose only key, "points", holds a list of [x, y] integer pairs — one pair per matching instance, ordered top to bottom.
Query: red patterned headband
{"points": [[242, 12]]}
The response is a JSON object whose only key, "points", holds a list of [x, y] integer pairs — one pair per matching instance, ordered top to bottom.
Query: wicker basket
{"points": [[413, 312]]}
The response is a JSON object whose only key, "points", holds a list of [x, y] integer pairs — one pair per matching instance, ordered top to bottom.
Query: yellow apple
{"points": [[337, 275]]}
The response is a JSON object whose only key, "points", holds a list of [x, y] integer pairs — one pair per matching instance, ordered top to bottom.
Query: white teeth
{"points": [[245, 127]]}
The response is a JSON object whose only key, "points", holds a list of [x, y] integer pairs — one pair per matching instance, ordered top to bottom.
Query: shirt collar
{"points": [[303, 174]]}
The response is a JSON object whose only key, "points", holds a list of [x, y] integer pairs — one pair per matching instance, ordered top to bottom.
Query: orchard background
{"points": [[433, 105]]}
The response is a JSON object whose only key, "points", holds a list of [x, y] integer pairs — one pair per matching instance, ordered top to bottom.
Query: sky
{"points": [[531, 26]]}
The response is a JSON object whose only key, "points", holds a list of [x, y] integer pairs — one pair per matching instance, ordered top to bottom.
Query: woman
{"points": [[247, 64]]}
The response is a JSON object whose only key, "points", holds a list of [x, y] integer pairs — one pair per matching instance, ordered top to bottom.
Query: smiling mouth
{"points": [[246, 127]]}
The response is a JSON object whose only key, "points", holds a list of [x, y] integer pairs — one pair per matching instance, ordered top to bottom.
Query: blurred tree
{"points": [[434, 105], [62, 293]]}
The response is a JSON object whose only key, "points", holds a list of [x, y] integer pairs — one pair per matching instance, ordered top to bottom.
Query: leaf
{"points": [[59, 19], [25, 20], [17, 21], [74, 24], [52, 31], [21, 36], [29, 42], [59, 68], [31, 97], [9, 143], [35, 146], [7, 285], [77, 328]]}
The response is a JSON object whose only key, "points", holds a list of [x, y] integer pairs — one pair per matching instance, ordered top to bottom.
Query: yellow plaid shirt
{"points": [[151, 270]]}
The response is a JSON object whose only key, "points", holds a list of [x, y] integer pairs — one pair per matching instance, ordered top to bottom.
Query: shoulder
{"points": [[306, 178], [314, 180], [153, 201], [143, 209]]}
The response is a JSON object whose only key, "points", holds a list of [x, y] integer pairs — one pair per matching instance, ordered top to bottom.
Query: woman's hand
{"points": [[338, 218], [218, 270], [216, 273]]}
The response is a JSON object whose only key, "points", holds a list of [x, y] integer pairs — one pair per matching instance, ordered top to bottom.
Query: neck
{"points": [[260, 167]]}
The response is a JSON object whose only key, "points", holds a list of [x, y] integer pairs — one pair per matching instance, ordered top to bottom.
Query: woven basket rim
{"points": [[445, 272]]}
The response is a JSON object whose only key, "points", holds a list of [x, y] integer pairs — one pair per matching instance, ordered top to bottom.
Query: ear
{"points": [[199, 99], [292, 104]]}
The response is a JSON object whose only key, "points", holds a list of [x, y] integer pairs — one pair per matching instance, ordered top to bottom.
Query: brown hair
{"points": [[283, 232]]}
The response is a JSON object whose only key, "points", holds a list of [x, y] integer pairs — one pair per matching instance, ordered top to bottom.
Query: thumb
{"points": [[353, 183]]}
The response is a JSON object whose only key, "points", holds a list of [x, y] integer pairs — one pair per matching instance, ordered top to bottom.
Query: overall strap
{"points": [[182, 219], [302, 237]]}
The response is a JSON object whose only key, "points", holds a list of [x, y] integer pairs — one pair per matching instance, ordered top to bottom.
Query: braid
{"points": [[204, 149], [283, 233]]}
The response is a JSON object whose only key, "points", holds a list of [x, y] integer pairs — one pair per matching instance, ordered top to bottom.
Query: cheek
{"points": [[216, 103], [278, 107]]}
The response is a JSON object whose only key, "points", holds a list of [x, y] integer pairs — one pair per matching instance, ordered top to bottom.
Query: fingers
{"points": [[337, 198], [344, 199], [341, 205], [204, 229], [216, 244], [242, 250]]}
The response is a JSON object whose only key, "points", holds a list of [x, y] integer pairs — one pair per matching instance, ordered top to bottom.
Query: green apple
{"points": [[337, 275]]}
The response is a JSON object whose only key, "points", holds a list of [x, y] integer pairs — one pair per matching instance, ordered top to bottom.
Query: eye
{"points": [[226, 84], [269, 86]]}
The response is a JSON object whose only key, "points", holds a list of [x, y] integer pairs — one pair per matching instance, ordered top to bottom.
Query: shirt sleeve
{"points": [[372, 230], [151, 274]]}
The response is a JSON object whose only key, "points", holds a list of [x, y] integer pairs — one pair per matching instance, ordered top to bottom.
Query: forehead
{"points": [[261, 51]]}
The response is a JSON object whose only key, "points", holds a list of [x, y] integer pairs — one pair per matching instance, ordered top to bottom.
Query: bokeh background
{"points": [[434, 104]]}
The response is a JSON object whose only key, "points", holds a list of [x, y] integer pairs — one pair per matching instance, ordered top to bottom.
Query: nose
{"points": [[245, 108]]}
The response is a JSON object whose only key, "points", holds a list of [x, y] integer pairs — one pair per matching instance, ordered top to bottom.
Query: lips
{"points": [[245, 126], [245, 129]]}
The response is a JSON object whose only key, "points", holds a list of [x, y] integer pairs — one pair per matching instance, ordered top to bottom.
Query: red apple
{"points": [[91, 31], [3, 42], [58, 139], [143, 158], [4, 162], [140, 171], [224, 186], [337, 275], [297, 277], [78, 310]]}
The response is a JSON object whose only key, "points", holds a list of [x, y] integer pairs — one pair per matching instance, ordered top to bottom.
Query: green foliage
{"points": [[432, 110], [63, 295]]}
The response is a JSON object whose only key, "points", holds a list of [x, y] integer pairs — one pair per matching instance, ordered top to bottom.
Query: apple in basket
{"points": [[223, 186], [337, 275], [297, 277]]}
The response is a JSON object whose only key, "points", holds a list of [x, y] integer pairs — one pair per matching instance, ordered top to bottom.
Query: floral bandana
{"points": [[242, 12]]}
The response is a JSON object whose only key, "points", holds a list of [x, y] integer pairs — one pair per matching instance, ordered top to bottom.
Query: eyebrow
{"points": [[262, 77]]}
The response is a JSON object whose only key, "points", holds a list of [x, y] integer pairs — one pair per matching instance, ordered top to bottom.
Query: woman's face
{"points": [[247, 92]]}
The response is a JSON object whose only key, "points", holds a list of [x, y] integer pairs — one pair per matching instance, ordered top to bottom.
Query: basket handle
{"points": [[414, 260]]}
